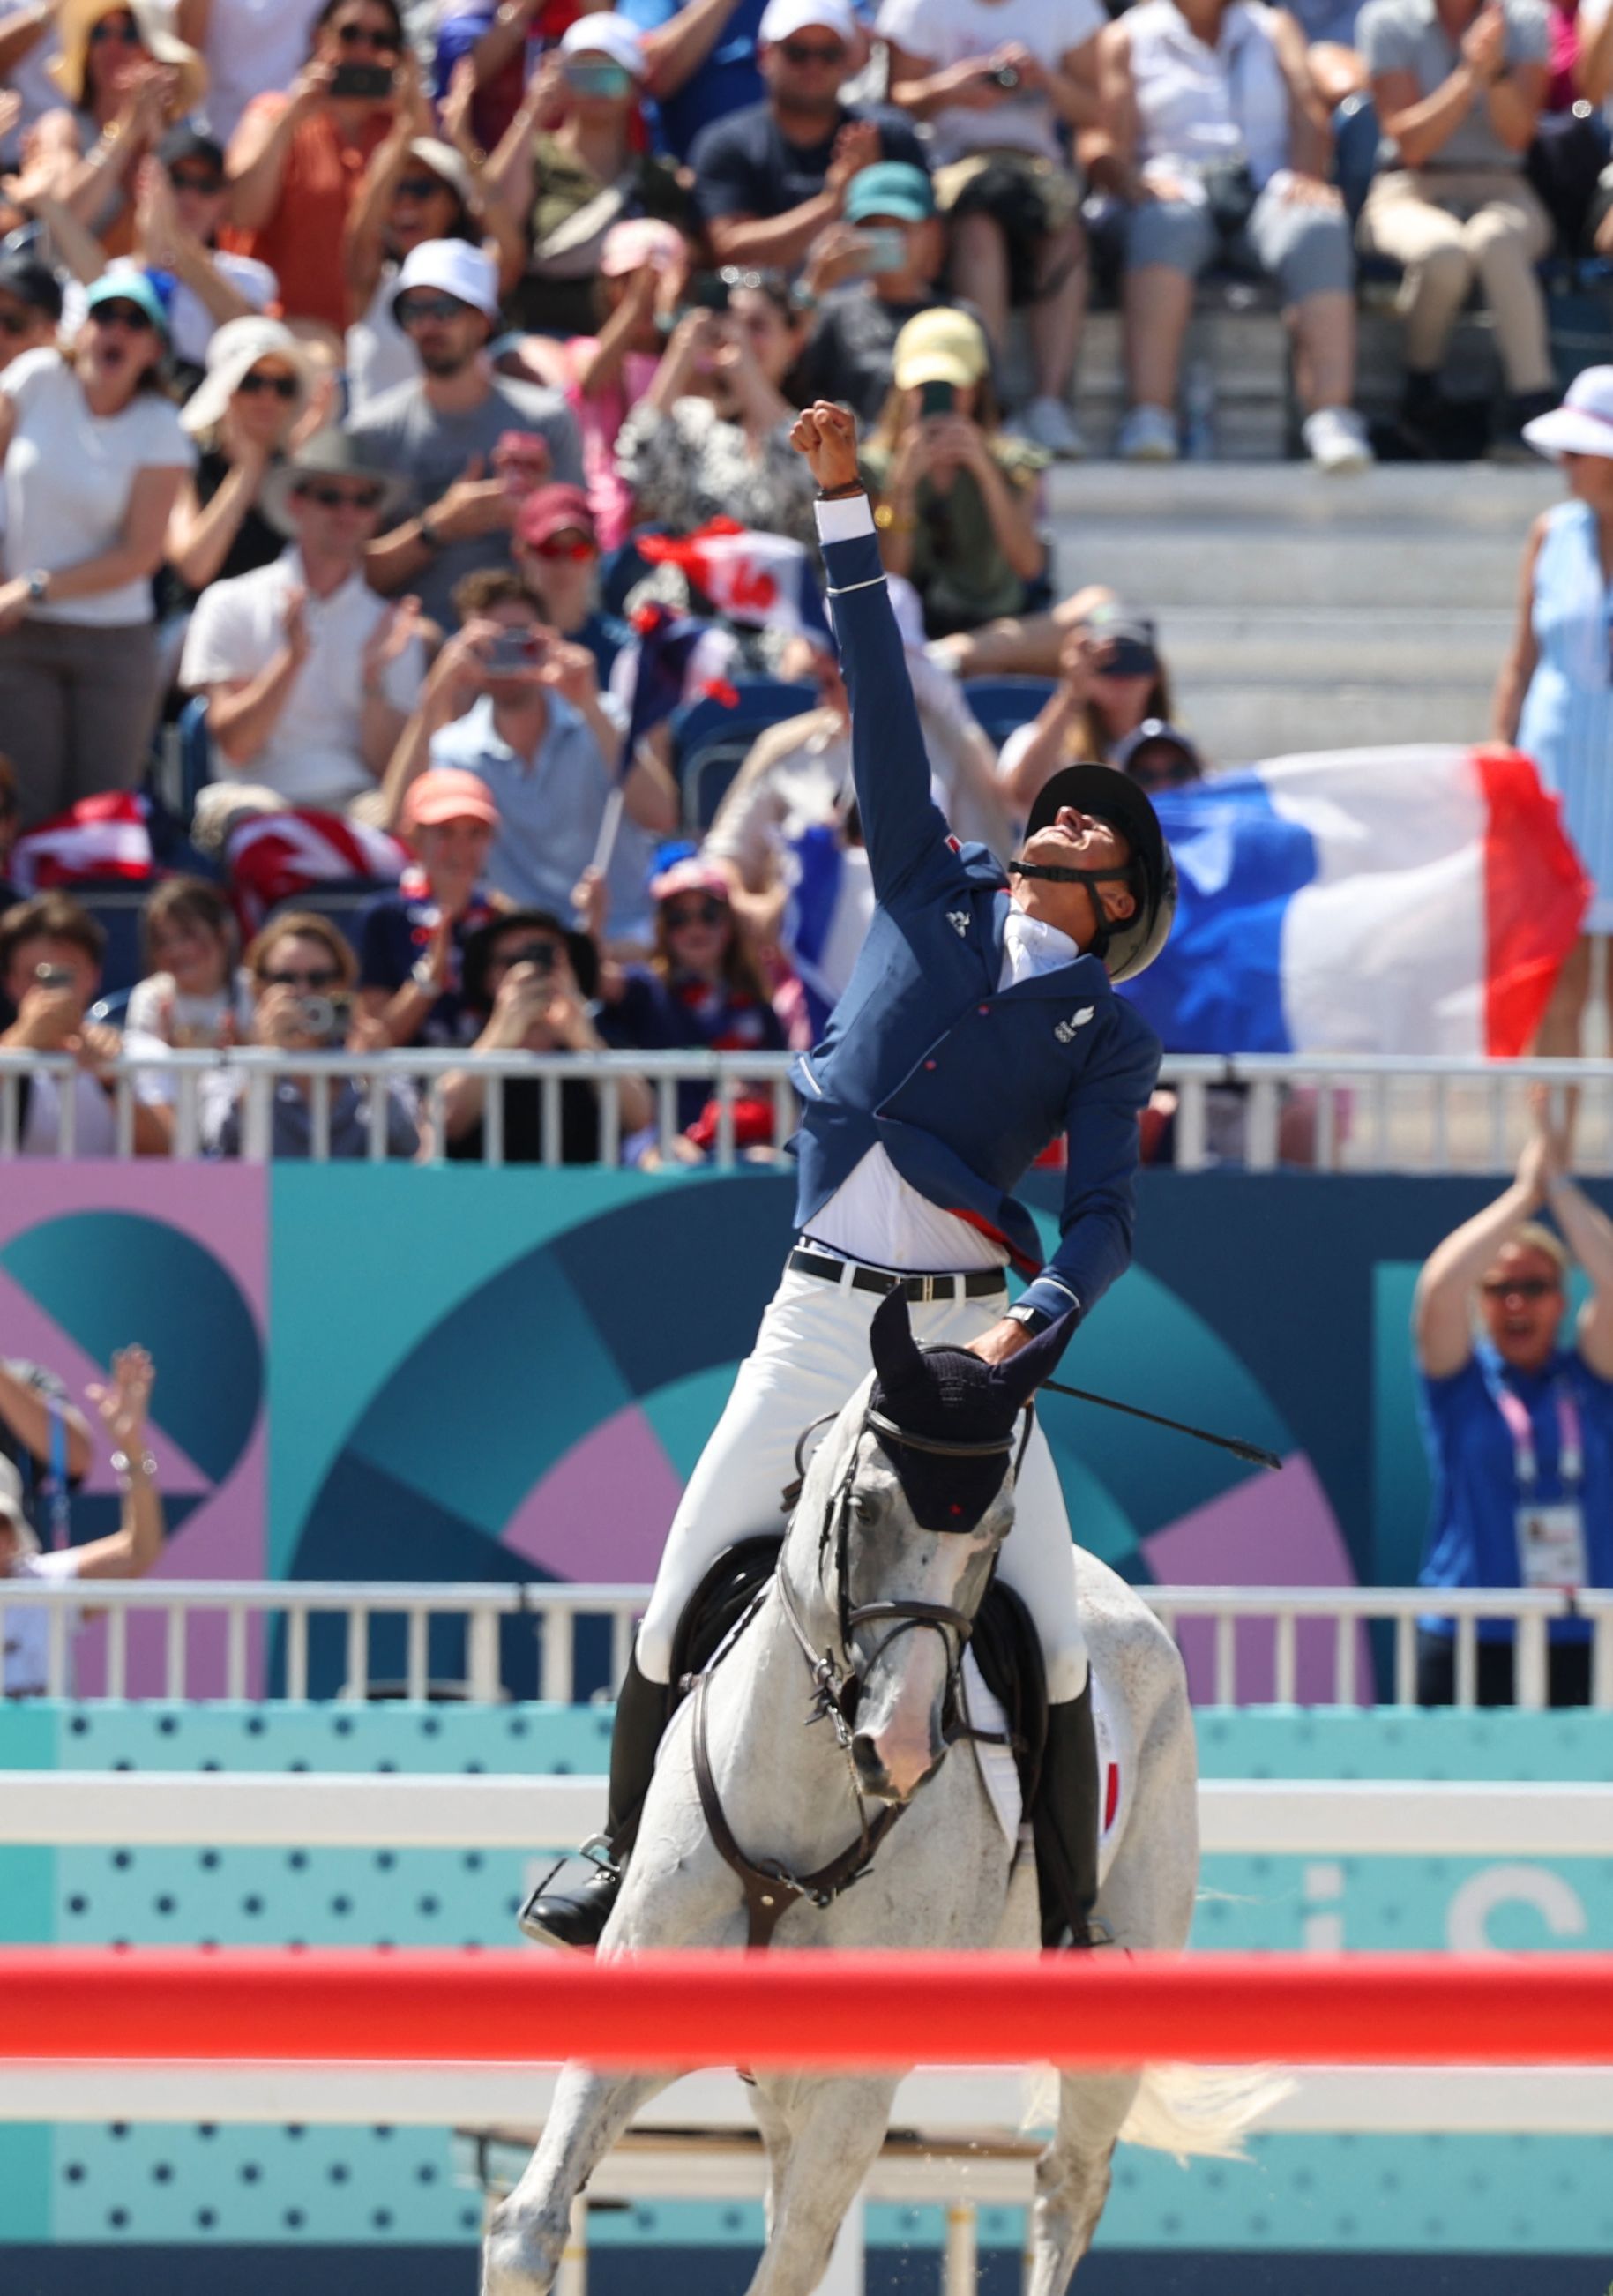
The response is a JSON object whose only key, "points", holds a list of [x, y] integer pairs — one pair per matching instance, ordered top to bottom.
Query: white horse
{"points": [[858, 1580]]}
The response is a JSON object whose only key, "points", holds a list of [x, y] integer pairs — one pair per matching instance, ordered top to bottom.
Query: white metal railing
{"points": [[200, 1081], [1337, 1113], [242, 1606], [1309, 1640]]}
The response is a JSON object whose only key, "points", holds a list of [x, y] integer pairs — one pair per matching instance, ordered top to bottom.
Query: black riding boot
{"points": [[1066, 1823], [574, 1913]]}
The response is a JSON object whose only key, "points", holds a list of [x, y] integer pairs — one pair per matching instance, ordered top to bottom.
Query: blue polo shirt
{"points": [[550, 808], [1473, 1532]]}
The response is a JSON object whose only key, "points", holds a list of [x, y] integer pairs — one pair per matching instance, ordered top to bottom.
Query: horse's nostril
{"points": [[866, 1759]]}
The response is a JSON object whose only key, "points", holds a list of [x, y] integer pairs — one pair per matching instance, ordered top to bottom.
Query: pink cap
{"points": [[641, 243], [550, 510], [448, 793], [690, 875]]}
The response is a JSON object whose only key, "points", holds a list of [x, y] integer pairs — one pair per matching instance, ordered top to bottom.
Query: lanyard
{"points": [[1570, 1441], [54, 1481]]}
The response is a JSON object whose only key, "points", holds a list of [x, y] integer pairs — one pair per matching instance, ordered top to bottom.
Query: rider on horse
{"points": [[981, 1023]]}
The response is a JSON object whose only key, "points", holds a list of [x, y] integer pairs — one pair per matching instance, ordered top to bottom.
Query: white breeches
{"points": [[811, 1351]]}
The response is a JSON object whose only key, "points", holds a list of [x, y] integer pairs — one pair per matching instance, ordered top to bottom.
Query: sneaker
{"points": [[1048, 423], [1148, 435], [1335, 438]]}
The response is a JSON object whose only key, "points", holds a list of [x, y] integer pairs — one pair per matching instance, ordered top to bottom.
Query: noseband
{"points": [[771, 1888]]}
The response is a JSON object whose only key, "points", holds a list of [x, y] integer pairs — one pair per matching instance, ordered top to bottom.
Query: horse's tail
{"points": [[1203, 2109], [1207, 2109]]}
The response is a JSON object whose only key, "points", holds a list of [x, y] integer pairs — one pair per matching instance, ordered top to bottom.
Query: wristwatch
{"points": [[428, 533], [38, 585], [424, 978], [1032, 1318]]}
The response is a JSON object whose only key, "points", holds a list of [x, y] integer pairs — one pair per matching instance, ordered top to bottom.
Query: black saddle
{"points": [[1005, 1641]]}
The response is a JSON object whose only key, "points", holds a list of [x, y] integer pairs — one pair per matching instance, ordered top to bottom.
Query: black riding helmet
{"points": [[1127, 948]]}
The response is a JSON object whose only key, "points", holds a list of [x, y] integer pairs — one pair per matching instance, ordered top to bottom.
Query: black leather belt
{"points": [[978, 1283]]}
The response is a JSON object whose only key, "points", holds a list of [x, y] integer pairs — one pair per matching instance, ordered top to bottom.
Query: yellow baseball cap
{"points": [[940, 346]]}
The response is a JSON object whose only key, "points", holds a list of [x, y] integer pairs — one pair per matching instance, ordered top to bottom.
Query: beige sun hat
{"points": [[78, 20], [234, 350]]}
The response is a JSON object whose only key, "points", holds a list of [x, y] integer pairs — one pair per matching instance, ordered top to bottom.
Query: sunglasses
{"points": [[127, 35], [360, 36], [808, 52], [207, 185], [417, 187], [411, 310], [115, 313], [254, 386], [331, 497], [572, 549], [708, 911], [542, 955], [325, 977], [1525, 1287]]}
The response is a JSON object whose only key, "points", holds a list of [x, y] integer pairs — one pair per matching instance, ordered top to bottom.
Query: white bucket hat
{"points": [[783, 18], [607, 33], [454, 268], [232, 353], [1583, 424]]}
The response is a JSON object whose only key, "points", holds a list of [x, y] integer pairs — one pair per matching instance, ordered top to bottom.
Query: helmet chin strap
{"points": [[1052, 874]]}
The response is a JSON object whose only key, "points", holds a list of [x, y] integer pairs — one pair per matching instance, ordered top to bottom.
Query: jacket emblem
{"points": [[958, 919], [1066, 1030]]}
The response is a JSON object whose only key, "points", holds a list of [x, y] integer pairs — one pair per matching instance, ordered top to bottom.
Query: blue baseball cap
{"points": [[890, 187], [129, 287]]}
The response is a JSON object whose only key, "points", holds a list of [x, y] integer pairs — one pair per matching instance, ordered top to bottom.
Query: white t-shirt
{"points": [[945, 32], [251, 47], [380, 355], [67, 477], [315, 755], [25, 1627]]}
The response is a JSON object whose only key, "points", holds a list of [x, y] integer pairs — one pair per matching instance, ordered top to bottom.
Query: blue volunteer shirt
{"points": [[1473, 1529]]}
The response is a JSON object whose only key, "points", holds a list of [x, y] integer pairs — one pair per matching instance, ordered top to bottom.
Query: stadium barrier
{"points": [[1372, 1112], [248, 1608]]}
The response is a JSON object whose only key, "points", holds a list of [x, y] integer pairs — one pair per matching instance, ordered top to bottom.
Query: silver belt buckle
{"points": [[928, 1294]]}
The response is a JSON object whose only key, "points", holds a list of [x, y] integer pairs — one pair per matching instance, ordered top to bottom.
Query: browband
{"points": [[888, 1431]]}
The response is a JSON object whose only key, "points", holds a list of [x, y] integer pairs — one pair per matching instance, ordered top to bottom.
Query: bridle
{"points": [[770, 1888]]}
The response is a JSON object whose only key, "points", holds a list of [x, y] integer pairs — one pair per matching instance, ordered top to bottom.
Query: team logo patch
{"points": [[958, 919], [1066, 1030]]}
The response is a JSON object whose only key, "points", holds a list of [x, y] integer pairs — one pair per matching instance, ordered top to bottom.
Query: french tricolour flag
{"points": [[1410, 900]]}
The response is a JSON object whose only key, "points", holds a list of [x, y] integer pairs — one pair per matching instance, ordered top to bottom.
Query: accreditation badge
{"points": [[1551, 1545]]}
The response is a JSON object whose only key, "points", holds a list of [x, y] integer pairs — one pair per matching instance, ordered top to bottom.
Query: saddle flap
{"points": [[719, 1602]]}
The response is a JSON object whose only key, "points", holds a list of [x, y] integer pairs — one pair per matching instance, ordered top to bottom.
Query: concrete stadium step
{"points": [[1414, 498], [1434, 540], [1238, 646], [1238, 725]]}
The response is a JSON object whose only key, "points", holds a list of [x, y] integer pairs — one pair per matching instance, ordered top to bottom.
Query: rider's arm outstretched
{"points": [[903, 828]]}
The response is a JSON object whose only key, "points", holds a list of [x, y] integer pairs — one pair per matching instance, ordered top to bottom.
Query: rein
{"points": [[770, 1888]]}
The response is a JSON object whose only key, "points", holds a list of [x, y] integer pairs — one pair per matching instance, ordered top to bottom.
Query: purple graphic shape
{"points": [[600, 1515], [1273, 1530]]}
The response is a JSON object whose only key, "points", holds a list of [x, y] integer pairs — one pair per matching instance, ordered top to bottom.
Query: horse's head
{"points": [[920, 1500]]}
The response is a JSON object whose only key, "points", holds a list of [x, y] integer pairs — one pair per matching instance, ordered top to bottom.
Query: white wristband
{"points": [[845, 520]]}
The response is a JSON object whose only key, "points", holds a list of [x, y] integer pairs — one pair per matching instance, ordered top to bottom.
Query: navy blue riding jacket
{"points": [[962, 1084]]}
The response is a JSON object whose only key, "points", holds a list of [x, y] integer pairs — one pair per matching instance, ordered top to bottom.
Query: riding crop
{"points": [[1252, 1452]]}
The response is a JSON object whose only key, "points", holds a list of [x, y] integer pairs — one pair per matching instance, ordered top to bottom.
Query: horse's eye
{"points": [[863, 1506]]}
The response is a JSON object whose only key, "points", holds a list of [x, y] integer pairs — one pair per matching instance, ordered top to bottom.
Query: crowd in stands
{"points": [[394, 412]]}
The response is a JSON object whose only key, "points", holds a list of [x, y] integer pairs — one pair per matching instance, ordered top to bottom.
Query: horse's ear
{"points": [[895, 1354], [1023, 1373]]}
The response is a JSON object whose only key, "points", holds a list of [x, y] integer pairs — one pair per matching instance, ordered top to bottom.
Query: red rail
{"points": [[111, 2004]]}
